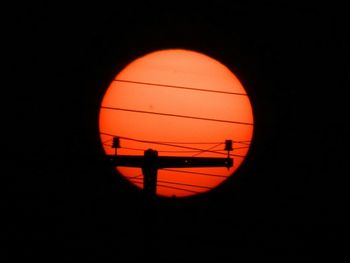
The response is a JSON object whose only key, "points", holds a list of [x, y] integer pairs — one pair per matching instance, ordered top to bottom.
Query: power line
{"points": [[180, 87], [176, 115], [105, 142], [172, 142], [191, 142], [244, 142], [159, 143], [170, 145], [243, 147], [133, 149], [136, 149], [209, 149], [175, 151], [189, 151], [197, 152], [190, 172], [134, 177], [175, 183], [191, 185], [173, 187], [177, 188]]}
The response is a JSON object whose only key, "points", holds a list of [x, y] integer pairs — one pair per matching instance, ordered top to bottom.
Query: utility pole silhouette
{"points": [[150, 162]]}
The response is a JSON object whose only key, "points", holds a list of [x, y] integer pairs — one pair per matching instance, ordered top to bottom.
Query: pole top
{"points": [[151, 153]]}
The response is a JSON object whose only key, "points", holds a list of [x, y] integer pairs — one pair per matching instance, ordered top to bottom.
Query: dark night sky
{"points": [[61, 197]]}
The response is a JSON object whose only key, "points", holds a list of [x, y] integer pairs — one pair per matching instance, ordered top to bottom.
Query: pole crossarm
{"points": [[150, 162], [161, 162]]}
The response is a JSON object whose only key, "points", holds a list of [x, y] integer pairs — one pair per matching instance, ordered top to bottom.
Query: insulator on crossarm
{"points": [[116, 142]]}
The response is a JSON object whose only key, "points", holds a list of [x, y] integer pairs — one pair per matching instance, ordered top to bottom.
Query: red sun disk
{"points": [[183, 98]]}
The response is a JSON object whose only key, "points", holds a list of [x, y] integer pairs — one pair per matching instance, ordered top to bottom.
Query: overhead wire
{"points": [[180, 87], [175, 115], [105, 142], [154, 142], [247, 142], [180, 143], [167, 144], [239, 148], [133, 149], [209, 149], [160, 151], [197, 152], [190, 172], [135, 177], [162, 183], [175, 183], [168, 186], [171, 187], [177, 188]]}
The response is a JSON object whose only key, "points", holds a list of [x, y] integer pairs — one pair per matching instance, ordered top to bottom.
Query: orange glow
{"points": [[180, 68]]}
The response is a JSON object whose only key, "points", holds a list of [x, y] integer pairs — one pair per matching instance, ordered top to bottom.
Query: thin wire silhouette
{"points": [[180, 87], [176, 115], [153, 142], [173, 142], [167, 144], [133, 149], [209, 149], [142, 150], [175, 151], [197, 152], [190, 172], [135, 177], [175, 183], [171, 187], [177, 188]]}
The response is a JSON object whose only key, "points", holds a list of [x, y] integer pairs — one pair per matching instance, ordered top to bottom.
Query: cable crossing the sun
{"points": [[180, 87], [175, 115], [170, 145], [196, 152], [138, 179], [167, 181], [174, 183], [165, 184]]}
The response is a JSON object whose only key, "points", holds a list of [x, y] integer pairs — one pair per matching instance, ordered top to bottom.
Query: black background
{"points": [[63, 200]]}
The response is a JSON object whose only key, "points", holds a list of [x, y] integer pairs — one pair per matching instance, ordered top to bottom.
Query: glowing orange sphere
{"points": [[180, 103]]}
